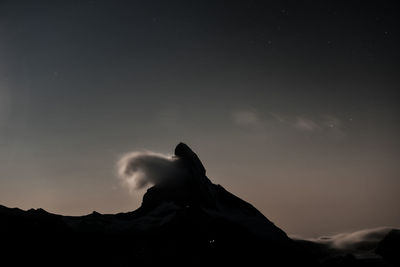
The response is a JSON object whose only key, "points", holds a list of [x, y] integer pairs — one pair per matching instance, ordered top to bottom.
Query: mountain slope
{"points": [[189, 221], [183, 222]]}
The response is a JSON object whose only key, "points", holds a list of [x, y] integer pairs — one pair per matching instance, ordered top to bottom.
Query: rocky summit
{"points": [[184, 222]]}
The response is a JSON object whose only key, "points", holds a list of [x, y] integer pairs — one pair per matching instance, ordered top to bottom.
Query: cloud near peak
{"points": [[139, 169]]}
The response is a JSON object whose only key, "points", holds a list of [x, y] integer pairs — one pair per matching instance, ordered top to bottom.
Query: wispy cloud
{"points": [[246, 117], [330, 121], [306, 124], [321, 124], [328, 124], [366, 239]]}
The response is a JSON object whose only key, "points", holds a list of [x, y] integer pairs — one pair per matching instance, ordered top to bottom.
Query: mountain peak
{"points": [[184, 152], [192, 189], [196, 190]]}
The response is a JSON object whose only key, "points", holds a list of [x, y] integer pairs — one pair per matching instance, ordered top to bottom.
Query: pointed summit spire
{"points": [[184, 152]]}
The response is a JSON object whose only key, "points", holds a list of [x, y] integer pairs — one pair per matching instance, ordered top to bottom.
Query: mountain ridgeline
{"points": [[184, 222]]}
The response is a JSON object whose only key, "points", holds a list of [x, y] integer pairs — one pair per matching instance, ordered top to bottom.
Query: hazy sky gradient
{"points": [[291, 105]]}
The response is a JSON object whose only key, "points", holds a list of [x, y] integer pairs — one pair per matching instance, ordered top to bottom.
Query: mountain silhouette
{"points": [[183, 222], [389, 247]]}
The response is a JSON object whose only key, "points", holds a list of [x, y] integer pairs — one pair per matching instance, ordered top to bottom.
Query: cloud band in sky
{"points": [[359, 240]]}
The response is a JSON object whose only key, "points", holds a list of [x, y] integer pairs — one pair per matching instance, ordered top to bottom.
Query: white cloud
{"points": [[138, 169], [359, 240]]}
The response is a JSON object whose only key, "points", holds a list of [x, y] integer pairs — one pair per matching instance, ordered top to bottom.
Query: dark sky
{"points": [[291, 105]]}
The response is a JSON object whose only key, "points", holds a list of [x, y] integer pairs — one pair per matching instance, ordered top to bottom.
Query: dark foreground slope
{"points": [[187, 222]]}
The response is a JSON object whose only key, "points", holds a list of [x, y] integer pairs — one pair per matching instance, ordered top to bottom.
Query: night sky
{"points": [[291, 105]]}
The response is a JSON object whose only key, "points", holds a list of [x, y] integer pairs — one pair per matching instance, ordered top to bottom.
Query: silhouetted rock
{"points": [[389, 247]]}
